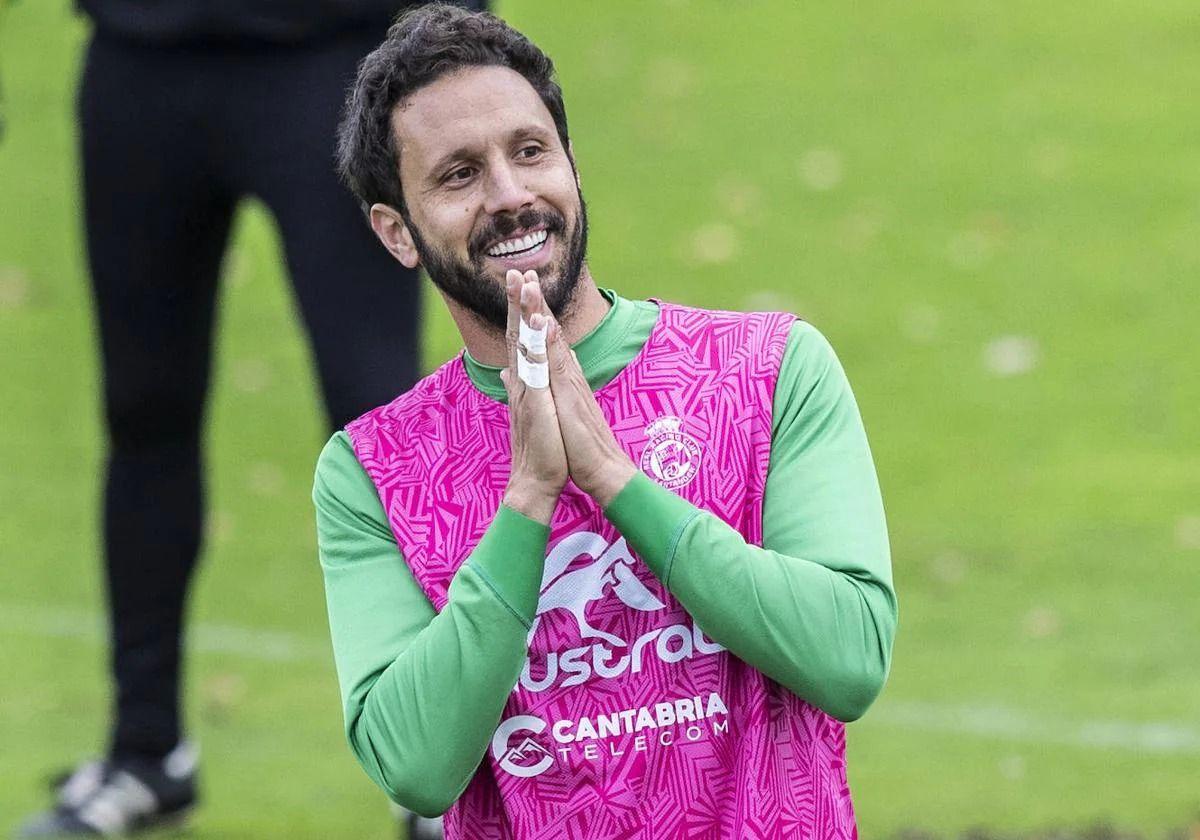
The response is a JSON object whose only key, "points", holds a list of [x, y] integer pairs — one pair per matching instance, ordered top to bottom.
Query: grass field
{"points": [[991, 209]]}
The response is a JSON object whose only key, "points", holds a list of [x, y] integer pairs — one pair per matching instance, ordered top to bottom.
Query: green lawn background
{"points": [[993, 212]]}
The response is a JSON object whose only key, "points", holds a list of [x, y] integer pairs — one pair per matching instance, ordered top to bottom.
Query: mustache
{"points": [[499, 227]]}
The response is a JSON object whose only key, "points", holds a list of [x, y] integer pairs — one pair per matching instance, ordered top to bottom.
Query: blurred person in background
{"points": [[186, 107], [520, 552]]}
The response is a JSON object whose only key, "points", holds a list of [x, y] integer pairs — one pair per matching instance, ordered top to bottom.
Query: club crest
{"points": [[671, 457]]}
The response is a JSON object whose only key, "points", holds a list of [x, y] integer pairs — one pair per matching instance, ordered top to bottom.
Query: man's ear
{"points": [[574, 168], [392, 231]]}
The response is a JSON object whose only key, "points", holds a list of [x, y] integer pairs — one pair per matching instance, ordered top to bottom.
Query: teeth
{"points": [[521, 243]]}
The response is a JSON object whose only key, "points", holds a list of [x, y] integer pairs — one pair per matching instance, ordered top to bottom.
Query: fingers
{"points": [[512, 287], [531, 296], [524, 301], [533, 323], [531, 333], [533, 337], [558, 352], [565, 371]]}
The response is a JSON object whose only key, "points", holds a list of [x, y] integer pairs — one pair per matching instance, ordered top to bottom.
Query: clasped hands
{"points": [[557, 431]]}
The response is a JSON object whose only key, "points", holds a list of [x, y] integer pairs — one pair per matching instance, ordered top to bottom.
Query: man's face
{"points": [[489, 188]]}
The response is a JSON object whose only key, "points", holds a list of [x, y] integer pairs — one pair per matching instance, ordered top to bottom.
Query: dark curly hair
{"points": [[424, 44]]}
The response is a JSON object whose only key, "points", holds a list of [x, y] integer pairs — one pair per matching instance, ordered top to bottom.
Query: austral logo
{"points": [[671, 457], [609, 572], [573, 591]]}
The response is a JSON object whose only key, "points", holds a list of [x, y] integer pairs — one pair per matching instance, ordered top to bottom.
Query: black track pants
{"points": [[172, 139]]}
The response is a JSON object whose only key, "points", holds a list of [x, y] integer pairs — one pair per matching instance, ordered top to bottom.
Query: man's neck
{"points": [[486, 344]]}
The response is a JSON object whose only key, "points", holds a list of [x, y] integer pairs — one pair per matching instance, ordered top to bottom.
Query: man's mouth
{"points": [[528, 244]]}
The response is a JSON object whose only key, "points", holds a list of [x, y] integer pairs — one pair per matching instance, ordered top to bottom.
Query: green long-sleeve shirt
{"points": [[814, 608]]}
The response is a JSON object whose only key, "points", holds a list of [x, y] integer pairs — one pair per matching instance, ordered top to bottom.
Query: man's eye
{"points": [[530, 152], [463, 173]]}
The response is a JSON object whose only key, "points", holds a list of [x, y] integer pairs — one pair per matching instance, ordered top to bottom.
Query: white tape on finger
{"points": [[534, 340], [533, 374]]}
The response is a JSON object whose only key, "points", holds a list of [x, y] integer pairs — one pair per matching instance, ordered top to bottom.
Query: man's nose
{"points": [[506, 191]]}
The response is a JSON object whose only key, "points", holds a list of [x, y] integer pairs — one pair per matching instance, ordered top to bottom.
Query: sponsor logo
{"points": [[671, 457], [610, 573], [573, 591], [610, 733], [528, 758]]}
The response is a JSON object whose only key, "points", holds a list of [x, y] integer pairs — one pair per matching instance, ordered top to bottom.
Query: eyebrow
{"points": [[531, 131]]}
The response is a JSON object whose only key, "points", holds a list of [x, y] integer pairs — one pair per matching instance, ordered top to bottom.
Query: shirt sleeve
{"points": [[813, 609], [422, 691]]}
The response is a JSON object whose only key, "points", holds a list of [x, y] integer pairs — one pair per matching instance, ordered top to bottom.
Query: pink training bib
{"points": [[627, 720]]}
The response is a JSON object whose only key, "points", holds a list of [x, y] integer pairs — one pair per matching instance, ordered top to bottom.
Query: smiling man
{"points": [[620, 569]]}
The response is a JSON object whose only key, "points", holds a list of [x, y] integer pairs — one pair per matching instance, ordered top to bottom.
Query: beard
{"points": [[468, 283]]}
